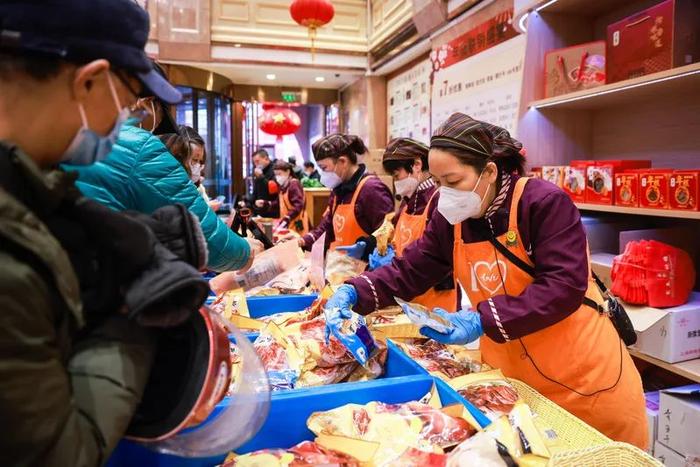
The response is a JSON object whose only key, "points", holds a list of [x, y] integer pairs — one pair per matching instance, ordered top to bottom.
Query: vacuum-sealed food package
{"points": [[340, 267], [422, 316], [443, 361], [489, 391], [306, 453]]}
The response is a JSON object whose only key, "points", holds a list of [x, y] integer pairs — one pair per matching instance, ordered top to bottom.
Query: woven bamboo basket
{"points": [[586, 445]]}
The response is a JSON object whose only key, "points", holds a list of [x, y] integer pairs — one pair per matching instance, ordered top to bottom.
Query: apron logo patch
{"points": [[338, 223], [405, 235], [488, 275]]}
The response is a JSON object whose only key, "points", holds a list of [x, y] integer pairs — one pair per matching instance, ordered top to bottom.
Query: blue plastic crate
{"points": [[266, 306], [289, 410]]}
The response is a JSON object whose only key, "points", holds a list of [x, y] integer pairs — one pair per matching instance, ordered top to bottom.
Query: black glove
{"points": [[178, 230], [167, 292]]}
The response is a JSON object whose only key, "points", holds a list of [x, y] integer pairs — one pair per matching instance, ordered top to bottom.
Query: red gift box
{"points": [[656, 39], [574, 68], [600, 178], [575, 180], [654, 188], [627, 189], [684, 190]]}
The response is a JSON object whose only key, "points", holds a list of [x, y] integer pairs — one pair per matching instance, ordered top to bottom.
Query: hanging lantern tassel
{"points": [[312, 14]]}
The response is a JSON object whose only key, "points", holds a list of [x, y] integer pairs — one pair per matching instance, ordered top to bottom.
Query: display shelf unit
{"points": [[628, 91], [655, 117], [639, 211], [689, 369]]}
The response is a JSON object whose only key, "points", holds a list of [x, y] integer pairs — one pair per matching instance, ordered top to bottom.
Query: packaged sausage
{"points": [[440, 360]]}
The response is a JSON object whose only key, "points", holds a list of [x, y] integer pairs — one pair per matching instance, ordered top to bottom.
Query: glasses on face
{"points": [[137, 111]]}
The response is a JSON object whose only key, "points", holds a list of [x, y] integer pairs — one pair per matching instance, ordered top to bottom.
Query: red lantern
{"points": [[312, 14], [279, 121]]}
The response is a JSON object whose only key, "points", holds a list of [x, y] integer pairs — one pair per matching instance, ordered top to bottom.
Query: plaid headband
{"points": [[404, 149]]}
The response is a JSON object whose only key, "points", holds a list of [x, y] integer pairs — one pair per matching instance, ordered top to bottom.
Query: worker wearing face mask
{"points": [[407, 162], [140, 174], [359, 201], [290, 202], [518, 248]]}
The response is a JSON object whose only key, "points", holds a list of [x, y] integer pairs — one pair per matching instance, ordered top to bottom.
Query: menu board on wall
{"points": [[486, 84], [408, 99]]}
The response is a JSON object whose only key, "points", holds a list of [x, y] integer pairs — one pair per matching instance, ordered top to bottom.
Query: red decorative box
{"points": [[664, 36], [574, 68], [601, 176], [575, 180], [654, 188], [627, 189], [684, 192]]}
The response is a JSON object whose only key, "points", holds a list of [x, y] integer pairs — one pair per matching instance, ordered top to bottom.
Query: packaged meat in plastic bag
{"points": [[384, 234], [341, 267], [292, 281], [231, 303], [421, 316], [354, 334], [280, 357], [439, 359], [374, 368], [489, 391], [396, 427], [518, 433], [306, 453]]}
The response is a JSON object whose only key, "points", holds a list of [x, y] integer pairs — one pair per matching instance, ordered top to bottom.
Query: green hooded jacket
{"points": [[66, 395]]}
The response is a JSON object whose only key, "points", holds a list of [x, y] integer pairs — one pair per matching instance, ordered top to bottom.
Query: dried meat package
{"points": [[341, 267], [280, 358], [439, 360], [489, 391], [402, 430], [520, 437], [480, 450], [306, 453]]}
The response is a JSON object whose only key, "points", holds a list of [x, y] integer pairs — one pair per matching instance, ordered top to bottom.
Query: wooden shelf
{"points": [[681, 79], [639, 211], [689, 369]]}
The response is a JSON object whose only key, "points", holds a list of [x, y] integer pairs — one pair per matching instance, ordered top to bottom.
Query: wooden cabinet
{"points": [[316, 203]]}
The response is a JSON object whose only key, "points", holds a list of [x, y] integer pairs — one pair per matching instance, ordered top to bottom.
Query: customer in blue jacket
{"points": [[141, 175]]}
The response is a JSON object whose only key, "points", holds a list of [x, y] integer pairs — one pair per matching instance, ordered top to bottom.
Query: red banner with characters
{"points": [[488, 34]]}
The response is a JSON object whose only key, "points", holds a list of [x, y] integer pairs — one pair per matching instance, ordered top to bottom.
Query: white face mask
{"points": [[87, 146], [195, 172], [281, 179], [330, 179], [406, 187], [459, 205]]}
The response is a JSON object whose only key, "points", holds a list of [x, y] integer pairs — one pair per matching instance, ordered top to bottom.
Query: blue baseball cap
{"points": [[84, 30]]}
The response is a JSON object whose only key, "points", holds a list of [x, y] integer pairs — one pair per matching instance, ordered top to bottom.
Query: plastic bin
{"points": [[265, 306], [285, 426]]}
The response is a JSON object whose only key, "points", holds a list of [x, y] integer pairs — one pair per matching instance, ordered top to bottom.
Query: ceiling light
{"points": [[237, 45], [271, 76], [320, 79]]}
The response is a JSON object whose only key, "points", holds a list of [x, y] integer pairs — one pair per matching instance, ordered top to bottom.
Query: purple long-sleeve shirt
{"points": [[295, 193], [418, 201], [373, 203], [550, 227]]}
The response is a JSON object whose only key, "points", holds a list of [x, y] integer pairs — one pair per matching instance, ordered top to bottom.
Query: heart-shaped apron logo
{"points": [[338, 223], [405, 235], [489, 276]]}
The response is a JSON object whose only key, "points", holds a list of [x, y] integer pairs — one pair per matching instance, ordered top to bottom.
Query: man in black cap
{"points": [[82, 288]]}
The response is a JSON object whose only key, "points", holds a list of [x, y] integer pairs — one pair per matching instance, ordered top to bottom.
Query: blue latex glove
{"points": [[356, 251], [377, 261], [338, 307], [467, 327]]}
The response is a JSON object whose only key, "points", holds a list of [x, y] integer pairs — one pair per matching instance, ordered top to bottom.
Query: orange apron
{"points": [[299, 224], [345, 226], [409, 228], [580, 363]]}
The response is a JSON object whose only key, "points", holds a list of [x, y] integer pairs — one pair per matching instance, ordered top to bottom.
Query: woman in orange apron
{"points": [[290, 202], [358, 202], [518, 248]]}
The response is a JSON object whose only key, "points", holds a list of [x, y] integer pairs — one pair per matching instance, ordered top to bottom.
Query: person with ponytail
{"points": [[358, 202], [518, 249]]}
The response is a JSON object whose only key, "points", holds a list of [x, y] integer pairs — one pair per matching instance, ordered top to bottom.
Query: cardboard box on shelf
{"points": [[656, 39], [554, 174], [600, 177], [575, 180], [627, 189], [654, 189], [684, 190], [601, 264], [671, 334], [652, 406], [679, 419], [668, 457]]}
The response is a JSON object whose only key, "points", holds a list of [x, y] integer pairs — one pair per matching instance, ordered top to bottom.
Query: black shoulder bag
{"points": [[615, 310]]}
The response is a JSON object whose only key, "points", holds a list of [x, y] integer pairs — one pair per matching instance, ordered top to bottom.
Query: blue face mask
{"points": [[89, 147]]}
